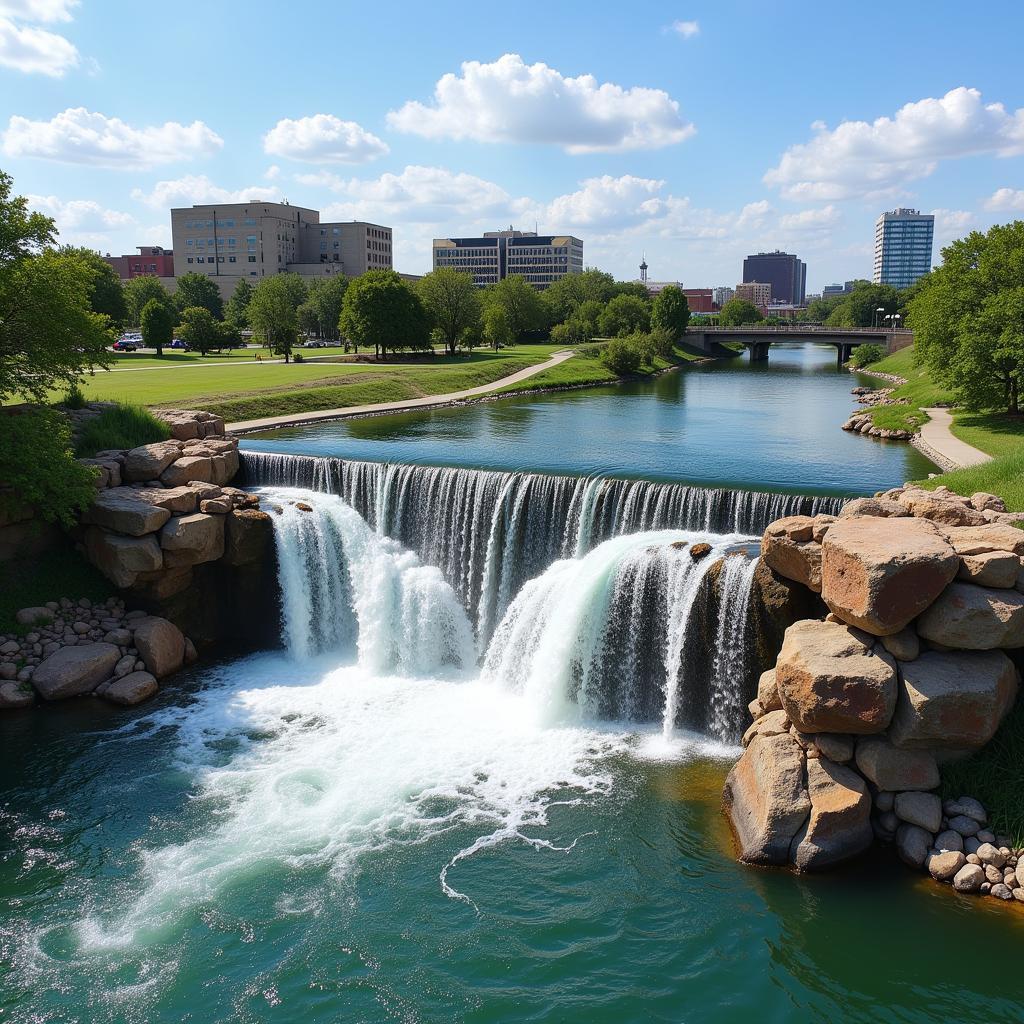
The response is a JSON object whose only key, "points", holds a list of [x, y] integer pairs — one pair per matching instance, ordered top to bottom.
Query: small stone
{"points": [[697, 551], [81, 628], [904, 645], [835, 746], [884, 800], [965, 805], [924, 809], [964, 825], [984, 836], [949, 841], [913, 843], [971, 845], [988, 854], [972, 858], [943, 866], [992, 873], [985, 887], [1001, 891], [1018, 894]]}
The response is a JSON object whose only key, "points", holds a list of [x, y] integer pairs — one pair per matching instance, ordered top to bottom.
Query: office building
{"points": [[234, 240], [903, 247], [541, 259], [150, 261], [782, 270], [831, 290], [757, 292], [722, 294], [700, 300]]}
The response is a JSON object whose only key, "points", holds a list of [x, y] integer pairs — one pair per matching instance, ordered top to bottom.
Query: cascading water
{"points": [[489, 532]]}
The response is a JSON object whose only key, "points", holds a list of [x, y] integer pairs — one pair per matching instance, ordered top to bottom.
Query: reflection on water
{"points": [[762, 426]]}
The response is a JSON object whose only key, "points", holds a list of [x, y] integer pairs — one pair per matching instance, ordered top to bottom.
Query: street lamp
{"points": [[881, 309]]}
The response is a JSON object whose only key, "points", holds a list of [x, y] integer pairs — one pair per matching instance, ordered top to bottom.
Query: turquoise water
{"points": [[771, 426]]}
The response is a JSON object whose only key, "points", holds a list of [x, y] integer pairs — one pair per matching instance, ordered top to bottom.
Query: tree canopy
{"points": [[199, 290], [138, 291], [107, 293], [564, 297], [324, 301], [452, 302], [522, 304], [860, 307], [381, 310], [236, 311], [670, 311], [737, 312], [272, 313], [625, 314], [157, 324], [199, 330], [497, 331]]}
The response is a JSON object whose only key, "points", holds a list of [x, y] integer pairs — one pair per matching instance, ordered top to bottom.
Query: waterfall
{"points": [[491, 532]]}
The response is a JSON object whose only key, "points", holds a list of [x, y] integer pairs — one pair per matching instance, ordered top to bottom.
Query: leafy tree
{"points": [[295, 288], [635, 288], [198, 290], [138, 292], [107, 293], [326, 297], [564, 297], [452, 302], [522, 303], [860, 307], [381, 310], [819, 310], [236, 311], [670, 311], [737, 312], [272, 313], [589, 313], [625, 314], [306, 318], [968, 318], [157, 323], [497, 329], [199, 330], [572, 332], [229, 336], [621, 355], [865, 355]]}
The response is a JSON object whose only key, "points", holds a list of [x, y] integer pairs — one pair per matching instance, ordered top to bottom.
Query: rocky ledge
{"points": [[863, 423], [913, 664]]}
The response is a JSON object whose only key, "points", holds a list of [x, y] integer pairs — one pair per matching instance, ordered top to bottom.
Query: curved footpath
{"points": [[427, 402], [938, 438]]}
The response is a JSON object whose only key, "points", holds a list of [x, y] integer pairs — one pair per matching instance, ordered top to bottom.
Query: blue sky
{"points": [[694, 132]]}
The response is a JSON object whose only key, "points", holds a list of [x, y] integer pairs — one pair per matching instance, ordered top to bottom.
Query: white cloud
{"points": [[38, 10], [686, 29], [35, 51], [510, 101], [80, 136], [323, 138], [862, 159], [272, 173], [197, 189], [1006, 199], [606, 202], [80, 214], [811, 219]]}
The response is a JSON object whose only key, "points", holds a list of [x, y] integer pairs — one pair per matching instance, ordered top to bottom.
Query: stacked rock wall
{"points": [[913, 664]]}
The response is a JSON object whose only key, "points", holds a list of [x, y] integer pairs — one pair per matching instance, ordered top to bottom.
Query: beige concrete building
{"points": [[229, 241], [495, 255], [757, 292]]}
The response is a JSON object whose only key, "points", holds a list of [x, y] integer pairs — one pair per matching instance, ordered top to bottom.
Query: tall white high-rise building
{"points": [[903, 247]]}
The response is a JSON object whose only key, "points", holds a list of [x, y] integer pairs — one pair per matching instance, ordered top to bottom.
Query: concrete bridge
{"points": [[758, 339]]}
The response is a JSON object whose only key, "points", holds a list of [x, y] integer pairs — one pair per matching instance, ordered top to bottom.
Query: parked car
{"points": [[124, 345], [179, 345]]}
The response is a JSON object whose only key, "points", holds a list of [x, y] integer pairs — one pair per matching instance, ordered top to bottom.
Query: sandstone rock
{"points": [[148, 461], [223, 467], [188, 469], [203, 490], [177, 500], [981, 501], [216, 506], [879, 507], [939, 508], [121, 511], [819, 527], [250, 533], [190, 540], [976, 540], [788, 547], [697, 551], [120, 558], [990, 569], [879, 574], [161, 585], [975, 618], [161, 645], [904, 645], [75, 670], [829, 680], [131, 689], [767, 691], [953, 701], [772, 724], [834, 746], [892, 769], [766, 799], [965, 805], [924, 809], [839, 826], [949, 840], [912, 844], [989, 854], [945, 865], [968, 878]]}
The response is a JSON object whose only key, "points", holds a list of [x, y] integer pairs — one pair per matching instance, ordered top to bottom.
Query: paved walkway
{"points": [[429, 402], [937, 436]]}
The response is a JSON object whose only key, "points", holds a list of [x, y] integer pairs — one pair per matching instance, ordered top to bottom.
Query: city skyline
{"points": [[636, 135]]}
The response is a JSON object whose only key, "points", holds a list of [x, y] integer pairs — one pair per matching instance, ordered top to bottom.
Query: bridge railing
{"points": [[799, 329]]}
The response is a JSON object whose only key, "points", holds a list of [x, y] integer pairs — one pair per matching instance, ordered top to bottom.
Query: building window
{"points": [[190, 259], [199, 259], [231, 259], [252, 259]]}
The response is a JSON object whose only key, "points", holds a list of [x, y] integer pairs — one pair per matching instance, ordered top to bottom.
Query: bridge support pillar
{"points": [[845, 351], [759, 352]]}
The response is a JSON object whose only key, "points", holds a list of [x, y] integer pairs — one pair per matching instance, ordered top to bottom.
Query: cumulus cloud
{"points": [[38, 10], [686, 29], [35, 51], [511, 101], [80, 136], [323, 139], [873, 159], [198, 189], [1006, 199], [607, 202], [80, 214], [810, 219]]}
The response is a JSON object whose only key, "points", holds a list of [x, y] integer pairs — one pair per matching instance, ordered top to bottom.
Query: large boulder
{"points": [[148, 461], [224, 466], [187, 469], [177, 500], [940, 507], [120, 510], [249, 533], [192, 539], [976, 540], [788, 547], [121, 559], [990, 569], [879, 574], [975, 618], [161, 645], [72, 671], [829, 680], [130, 689], [953, 702], [892, 769], [766, 799], [839, 826]]}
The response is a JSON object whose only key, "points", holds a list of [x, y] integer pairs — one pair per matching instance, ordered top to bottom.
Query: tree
{"points": [[635, 288], [199, 290], [138, 292], [107, 293], [326, 297], [564, 297], [452, 302], [521, 302], [860, 307], [381, 310], [236, 311], [670, 311], [737, 312], [272, 313], [625, 314], [968, 318], [157, 323], [497, 329], [199, 330], [572, 332], [49, 334], [229, 336], [621, 355], [864, 355]]}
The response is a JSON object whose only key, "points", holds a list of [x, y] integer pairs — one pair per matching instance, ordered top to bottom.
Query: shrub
{"points": [[662, 343], [864, 355], [621, 356], [75, 398], [121, 426], [38, 468]]}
